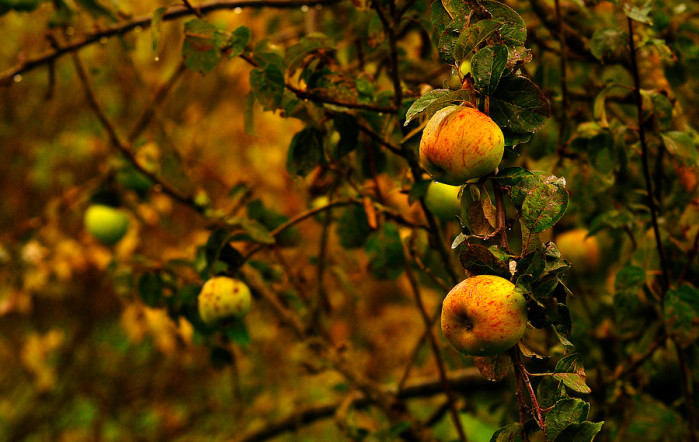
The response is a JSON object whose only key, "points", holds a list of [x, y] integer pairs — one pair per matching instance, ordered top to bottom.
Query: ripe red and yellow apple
{"points": [[460, 143], [443, 200], [107, 224], [581, 251], [222, 298], [484, 315]]}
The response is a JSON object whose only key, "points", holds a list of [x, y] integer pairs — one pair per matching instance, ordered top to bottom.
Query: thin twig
{"points": [[174, 12], [389, 29], [564, 78], [158, 98], [118, 144], [644, 161], [435, 350], [686, 375]]}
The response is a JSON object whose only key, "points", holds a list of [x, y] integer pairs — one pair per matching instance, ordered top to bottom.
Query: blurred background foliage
{"points": [[86, 356]]}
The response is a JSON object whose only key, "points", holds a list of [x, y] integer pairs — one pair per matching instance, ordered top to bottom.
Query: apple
{"points": [[465, 68], [460, 143], [443, 200], [106, 223], [581, 251], [222, 298], [484, 315]]}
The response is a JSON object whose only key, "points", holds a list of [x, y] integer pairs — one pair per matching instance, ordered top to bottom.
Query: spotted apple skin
{"points": [[460, 143], [221, 298], [484, 315]]}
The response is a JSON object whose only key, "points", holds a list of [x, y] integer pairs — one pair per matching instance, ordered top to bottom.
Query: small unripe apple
{"points": [[465, 68], [460, 143], [443, 200], [107, 224], [581, 251], [222, 298], [484, 315]]}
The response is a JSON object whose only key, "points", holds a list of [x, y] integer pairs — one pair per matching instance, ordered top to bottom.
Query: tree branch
{"points": [[172, 13], [644, 161], [415, 286]]}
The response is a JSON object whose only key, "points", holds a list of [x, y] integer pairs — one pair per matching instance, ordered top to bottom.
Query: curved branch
{"points": [[172, 13]]}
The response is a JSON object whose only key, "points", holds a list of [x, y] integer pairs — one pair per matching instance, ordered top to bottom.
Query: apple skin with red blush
{"points": [[459, 144], [484, 315]]}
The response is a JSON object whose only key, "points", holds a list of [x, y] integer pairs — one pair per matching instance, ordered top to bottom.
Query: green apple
{"points": [[465, 68], [460, 143], [443, 200], [106, 223], [581, 251], [222, 298], [484, 315]]}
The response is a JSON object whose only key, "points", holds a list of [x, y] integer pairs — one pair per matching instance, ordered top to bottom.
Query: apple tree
{"points": [[242, 220]]}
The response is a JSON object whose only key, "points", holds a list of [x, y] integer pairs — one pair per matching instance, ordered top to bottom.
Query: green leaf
{"points": [[457, 9], [639, 13], [439, 17], [155, 26], [513, 31], [471, 38], [447, 40], [607, 42], [232, 44], [199, 51], [297, 53], [487, 66], [268, 85], [452, 98], [421, 103], [519, 105], [662, 110], [348, 129], [681, 146], [305, 151], [511, 176], [544, 206], [352, 227], [254, 229], [218, 249], [384, 249], [479, 260], [532, 264], [629, 277], [150, 289], [681, 308], [237, 332], [494, 368], [571, 372], [573, 381], [549, 391], [564, 413], [580, 432], [508, 433]]}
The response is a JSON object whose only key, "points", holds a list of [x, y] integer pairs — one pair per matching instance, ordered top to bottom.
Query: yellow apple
{"points": [[460, 143], [443, 201], [107, 224], [581, 251], [221, 298], [484, 315]]}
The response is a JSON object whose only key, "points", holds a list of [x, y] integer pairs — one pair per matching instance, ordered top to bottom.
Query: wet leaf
{"points": [[487, 66], [518, 105], [544, 206]]}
